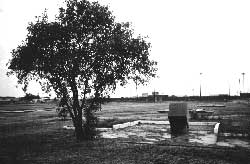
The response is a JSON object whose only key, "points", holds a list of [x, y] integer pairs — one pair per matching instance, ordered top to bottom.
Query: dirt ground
{"points": [[38, 137]]}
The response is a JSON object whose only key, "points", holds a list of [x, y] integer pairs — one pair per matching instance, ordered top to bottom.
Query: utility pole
{"points": [[243, 74], [200, 84], [239, 87], [154, 95]]}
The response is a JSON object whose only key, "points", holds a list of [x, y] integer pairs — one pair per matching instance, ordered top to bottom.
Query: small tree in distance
{"points": [[82, 56], [29, 97]]}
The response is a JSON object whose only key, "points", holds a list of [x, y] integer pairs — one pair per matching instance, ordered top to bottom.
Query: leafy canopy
{"points": [[82, 50], [83, 54]]}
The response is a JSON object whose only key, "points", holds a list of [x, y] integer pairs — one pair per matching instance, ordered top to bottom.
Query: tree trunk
{"points": [[78, 123], [90, 123], [79, 132]]}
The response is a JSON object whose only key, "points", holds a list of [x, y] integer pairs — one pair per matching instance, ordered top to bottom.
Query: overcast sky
{"points": [[188, 37]]}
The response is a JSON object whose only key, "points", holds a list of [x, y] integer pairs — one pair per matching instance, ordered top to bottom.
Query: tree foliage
{"points": [[82, 54], [29, 97]]}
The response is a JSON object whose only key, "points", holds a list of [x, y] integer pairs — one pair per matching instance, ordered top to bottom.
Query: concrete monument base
{"points": [[178, 125]]}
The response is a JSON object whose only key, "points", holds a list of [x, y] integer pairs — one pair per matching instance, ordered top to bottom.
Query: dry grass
{"points": [[38, 137], [61, 147]]}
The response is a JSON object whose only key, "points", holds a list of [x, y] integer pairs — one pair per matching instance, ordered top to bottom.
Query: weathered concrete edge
{"points": [[133, 123], [67, 127], [216, 128]]}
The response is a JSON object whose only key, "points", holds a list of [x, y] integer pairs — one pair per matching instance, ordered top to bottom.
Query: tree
{"points": [[82, 55], [29, 97]]}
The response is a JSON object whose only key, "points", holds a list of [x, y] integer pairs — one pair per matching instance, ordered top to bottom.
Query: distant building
{"points": [[155, 93], [145, 95], [245, 95], [157, 98], [44, 99], [6, 100], [16, 100], [35, 100], [41, 100]]}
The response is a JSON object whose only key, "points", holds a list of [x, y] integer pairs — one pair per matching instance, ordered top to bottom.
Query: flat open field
{"points": [[32, 133]]}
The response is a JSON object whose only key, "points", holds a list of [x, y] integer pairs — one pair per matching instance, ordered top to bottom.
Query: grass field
{"points": [[35, 135]]}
